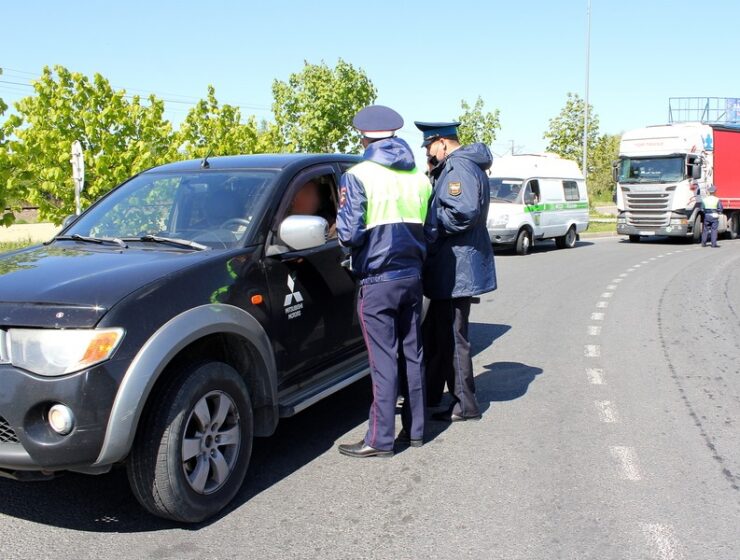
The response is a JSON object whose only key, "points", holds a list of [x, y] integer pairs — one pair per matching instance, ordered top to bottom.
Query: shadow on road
{"points": [[546, 246], [105, 504]]}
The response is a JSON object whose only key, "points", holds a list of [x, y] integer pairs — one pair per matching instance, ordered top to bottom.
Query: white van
{"points": [[536, 197]]}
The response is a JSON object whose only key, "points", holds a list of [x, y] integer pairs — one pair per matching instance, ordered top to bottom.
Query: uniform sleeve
{"points": [[457, 200], [351, 226]]}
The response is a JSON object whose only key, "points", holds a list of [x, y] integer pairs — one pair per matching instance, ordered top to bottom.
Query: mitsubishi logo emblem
{"points": [[293, 300]]}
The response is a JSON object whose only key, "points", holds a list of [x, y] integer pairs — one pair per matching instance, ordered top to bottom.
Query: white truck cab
{"points": [[536, 197]]}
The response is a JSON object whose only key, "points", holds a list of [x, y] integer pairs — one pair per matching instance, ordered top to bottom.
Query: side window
{"points": [[570, 189], [532, 192], [311, 194]]}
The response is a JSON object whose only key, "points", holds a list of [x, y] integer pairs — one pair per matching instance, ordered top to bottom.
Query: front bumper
{"points": [[675, 230], [502, 236], [27, 442]]}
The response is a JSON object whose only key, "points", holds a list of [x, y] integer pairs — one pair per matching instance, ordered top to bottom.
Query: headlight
{"points": [[500, 220], [58, 352]]}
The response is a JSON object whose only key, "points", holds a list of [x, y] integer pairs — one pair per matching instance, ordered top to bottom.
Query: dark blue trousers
{"points": [[710, 225], [390, 315]]}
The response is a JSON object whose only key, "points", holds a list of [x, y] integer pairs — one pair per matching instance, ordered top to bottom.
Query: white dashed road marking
{"points": [[611, 287], [607, 294], [602, 304], [597, 316], [594, 330], [592, 351], [595, 376], [607, 412], [627, 459], [663, 541]]}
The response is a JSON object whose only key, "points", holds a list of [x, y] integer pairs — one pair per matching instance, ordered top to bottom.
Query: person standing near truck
{"points": [[383, 207], [712, 208], [459, 266]]}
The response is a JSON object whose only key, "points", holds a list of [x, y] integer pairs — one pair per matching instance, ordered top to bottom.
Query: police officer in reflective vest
{"points": [[712, 208], [382, 218], [459, 265]]}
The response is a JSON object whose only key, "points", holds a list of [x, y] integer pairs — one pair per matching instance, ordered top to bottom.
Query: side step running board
{"points": [[295, 400]]}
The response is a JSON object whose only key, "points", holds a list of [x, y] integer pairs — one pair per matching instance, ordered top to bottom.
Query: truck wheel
{"points": [[733, 226], [696, 229], [634, 238], [567, 241], [523, 242], [192, 448]]}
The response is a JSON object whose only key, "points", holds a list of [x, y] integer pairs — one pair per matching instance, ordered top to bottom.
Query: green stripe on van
{"points": [[554, 206]]}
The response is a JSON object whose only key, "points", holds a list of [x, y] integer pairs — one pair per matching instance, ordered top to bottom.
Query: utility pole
{"points": [[585, 112]]}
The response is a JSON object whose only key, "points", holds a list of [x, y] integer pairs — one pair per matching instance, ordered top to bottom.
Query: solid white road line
{"points": [[597, 316], [594, 330], [592, 351], [595, 376], [607, 412], [627, 459], [663, 541]]}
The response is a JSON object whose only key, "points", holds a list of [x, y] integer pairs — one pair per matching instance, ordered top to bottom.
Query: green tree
{"points": [[315, 107], [476, 125], [217, 129], [565, 134], [119, 136], [605, 153], [6, 218]]}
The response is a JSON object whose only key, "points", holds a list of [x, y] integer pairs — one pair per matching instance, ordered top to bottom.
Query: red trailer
{"points": [[726, 174]]}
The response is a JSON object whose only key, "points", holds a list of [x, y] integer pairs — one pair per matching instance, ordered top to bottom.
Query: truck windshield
{"points": [[652, 170], [505, 190], [216, 209]]}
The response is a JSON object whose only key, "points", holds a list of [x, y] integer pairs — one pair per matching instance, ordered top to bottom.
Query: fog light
{"points": [[61, 419]]}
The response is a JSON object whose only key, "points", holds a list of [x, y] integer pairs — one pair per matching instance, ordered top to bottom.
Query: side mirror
{"points": [[696, 170], [615, 171], [68, 220], [303, 232]]}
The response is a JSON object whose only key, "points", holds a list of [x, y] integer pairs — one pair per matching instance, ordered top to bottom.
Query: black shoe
{"points": [[715, 246], [448, 416], [404, 439], [362, 450]]}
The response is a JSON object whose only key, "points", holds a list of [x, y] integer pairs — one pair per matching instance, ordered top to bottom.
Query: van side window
{"points": [[570, 189], [532, 192]]}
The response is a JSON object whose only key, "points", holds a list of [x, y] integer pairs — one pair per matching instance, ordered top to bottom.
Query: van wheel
{"points": [[634, 238], [567, 241], [523, 242], [193, 446]]}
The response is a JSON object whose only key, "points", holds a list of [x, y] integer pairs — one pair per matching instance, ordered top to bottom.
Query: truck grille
{"points": [[648, 209], [7, 435]]}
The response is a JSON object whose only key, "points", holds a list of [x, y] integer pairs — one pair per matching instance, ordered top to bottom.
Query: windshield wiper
{"points": [[86, 239], [170, 240]]}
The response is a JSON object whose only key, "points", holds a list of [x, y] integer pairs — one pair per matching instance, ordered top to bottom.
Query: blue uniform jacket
{"points": [[388, 251], [460, 261]]}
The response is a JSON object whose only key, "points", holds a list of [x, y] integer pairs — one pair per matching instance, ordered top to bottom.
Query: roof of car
{"points": [[255, 161]]}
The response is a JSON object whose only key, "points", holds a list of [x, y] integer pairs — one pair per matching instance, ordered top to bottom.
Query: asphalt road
{"points": [[609, 378]]}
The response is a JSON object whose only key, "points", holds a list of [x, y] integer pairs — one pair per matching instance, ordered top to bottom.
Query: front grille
{"points": [[648, 209], [7, 435]]}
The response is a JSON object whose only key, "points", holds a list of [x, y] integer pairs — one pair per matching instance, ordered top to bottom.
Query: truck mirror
{"points": [[696, 170], [615, 171]]}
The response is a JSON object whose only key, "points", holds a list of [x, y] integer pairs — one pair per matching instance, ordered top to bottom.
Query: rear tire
{"points": [[733, 226], [634, 238], [567, 241], [523, 242], [193, 446]]}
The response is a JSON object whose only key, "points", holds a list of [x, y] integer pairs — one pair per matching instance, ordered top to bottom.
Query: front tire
{"points": [[696, 229], [567, 241], [523, 242], [192, 448]]}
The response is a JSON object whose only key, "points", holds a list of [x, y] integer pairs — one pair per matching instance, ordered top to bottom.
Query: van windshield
{"points": [[652, 170], [505, 190]]}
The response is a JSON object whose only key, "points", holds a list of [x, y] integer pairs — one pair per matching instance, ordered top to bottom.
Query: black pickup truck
{"points": [[179, 317]]}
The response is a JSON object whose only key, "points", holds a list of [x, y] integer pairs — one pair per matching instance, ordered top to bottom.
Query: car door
{"points": [[531, 195], [312, 294]]}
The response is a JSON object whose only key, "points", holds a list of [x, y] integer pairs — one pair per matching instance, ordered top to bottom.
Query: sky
{"points": [[521, 57]]}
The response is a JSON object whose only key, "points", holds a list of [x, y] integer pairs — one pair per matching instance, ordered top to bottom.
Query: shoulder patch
{"points": [[454, 188]]}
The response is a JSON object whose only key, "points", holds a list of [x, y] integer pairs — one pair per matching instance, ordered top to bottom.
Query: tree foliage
{"points": [[314, 107], [477, 125], [211, 128], [565, 133], [120, 136], [600, 181], [6, 218]]}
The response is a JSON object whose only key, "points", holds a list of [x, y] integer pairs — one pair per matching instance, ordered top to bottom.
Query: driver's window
{"points": [[532, 192], [313, 195]]}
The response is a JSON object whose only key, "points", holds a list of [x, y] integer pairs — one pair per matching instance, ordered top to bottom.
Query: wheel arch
{"points": [[219, 331]]}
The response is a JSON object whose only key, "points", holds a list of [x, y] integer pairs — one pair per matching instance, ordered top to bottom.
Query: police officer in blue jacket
{"points": [[382, 217], [459, 266]]}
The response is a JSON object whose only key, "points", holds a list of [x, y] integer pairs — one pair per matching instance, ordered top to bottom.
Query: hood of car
{"points": [[65, 285]]}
